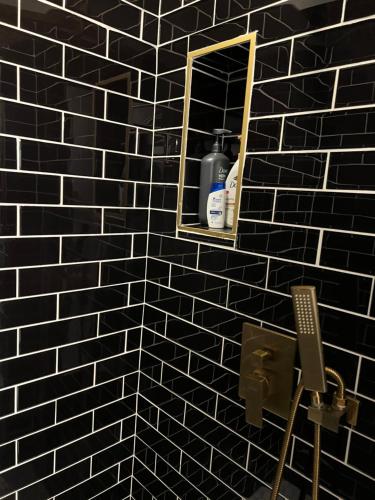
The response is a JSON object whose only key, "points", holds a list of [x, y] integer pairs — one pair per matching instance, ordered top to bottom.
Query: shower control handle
{"points": [[257, 392]]}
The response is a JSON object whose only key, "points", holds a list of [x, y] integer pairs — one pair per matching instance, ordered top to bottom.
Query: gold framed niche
{"points": [[227, 233]]}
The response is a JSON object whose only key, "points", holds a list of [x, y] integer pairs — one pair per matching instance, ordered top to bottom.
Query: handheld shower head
{"points": [[309, 341]]}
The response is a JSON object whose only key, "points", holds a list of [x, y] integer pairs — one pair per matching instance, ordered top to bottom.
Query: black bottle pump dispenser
{"points": [[214, 168]]}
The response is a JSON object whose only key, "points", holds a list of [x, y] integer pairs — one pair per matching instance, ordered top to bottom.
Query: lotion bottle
{"points": [[214, 169]]}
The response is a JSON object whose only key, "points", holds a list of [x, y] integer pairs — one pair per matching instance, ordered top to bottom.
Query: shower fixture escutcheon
{"points": [[266, 379]]}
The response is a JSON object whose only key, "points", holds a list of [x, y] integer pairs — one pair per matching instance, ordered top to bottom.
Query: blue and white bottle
{"points": [[216, 206]]}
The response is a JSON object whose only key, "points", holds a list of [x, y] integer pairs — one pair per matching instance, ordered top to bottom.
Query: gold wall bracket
{"points": [[266, 373], [330, 416]]}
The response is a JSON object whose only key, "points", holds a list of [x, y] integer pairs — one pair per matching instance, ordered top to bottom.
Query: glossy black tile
{"points": [[149, 5], [233, 8], [358, 8], [9, 11], [114, 13], [289, 19], [185, 21], [62, 26], [150, 28], [218, 33], [22, 48], [130, 51], [310, 51], [172, 55], [272, 61], [101, 72], [8, 81], [170, 85], [356, 86], [147, 89], [44, 90], [292, 95], [129, 111], [169, 114], [202, 117], [20, 119], [346, 129], [99, 134], [264, 135], [145, 142], [167, 142], [8, 152], [60, 159], [125, 167], [285, 170], [350, 171], [29, 188], [97, 192], [164, 197], [257, 204], [332, 210], [62, 220], [125, 220], [163, 222], [8, 227], [277, 240], [81, 248], [173, 250], [348, 251], [28, 252], [229, 264], [122, 271], [158, 272], [7, 284], [198, 284], [346, 291], [89, 301], [263, 305], [27, 311], [219, 320], [113, 321], [57, 333], [194, 338], [359, 341], [92, 350], [169, 352], [117, 366], [216, 377], [366, 379], [54, 387], [88, 399], [7, 400], [114, 412], [17, 425], [57, 435], [217, 435], [86, 446], [361, 454], [112, 455], [7, 456], [24, 474], [334, 474], [60, 481], [96, 484]]}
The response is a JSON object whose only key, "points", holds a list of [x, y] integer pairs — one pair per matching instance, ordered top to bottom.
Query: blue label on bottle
{"points": [[217, 186]]}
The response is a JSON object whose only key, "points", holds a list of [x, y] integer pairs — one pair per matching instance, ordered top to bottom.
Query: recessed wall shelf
{"points": [[217, 94]]}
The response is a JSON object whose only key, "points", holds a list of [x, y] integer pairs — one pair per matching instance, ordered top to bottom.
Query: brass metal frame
{"points": [[251, 38]]}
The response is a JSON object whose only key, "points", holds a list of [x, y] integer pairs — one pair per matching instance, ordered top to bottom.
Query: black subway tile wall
{"points": [[77, 81], [306, 217], [119, 337]]}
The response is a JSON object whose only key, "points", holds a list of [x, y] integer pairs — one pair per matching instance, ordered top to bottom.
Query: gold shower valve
{"points": [[266, 373]]}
